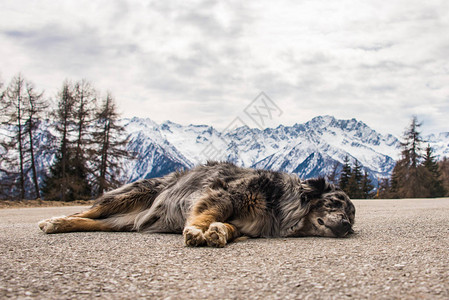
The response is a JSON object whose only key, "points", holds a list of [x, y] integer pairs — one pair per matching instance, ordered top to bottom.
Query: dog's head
{"points": [[328, 211]]}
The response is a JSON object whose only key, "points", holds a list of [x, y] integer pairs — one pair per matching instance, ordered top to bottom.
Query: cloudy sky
{"points": [[203, 62]]}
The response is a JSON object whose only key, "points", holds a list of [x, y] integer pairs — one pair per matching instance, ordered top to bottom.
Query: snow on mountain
{"points": [[191, 140], [439, 144], [312, 149], [153, 154]]}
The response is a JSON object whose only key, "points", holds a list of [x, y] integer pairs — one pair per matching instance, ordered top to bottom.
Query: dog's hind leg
{"points": [[114, 211], [88, 220], [71, 224]]}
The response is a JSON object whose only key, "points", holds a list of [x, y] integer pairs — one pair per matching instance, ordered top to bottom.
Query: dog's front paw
{"points": [[51, 225], [216, 235], [193, 236]]}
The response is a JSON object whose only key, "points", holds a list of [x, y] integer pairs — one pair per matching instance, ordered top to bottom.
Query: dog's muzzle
{"points": [[342, 229]]}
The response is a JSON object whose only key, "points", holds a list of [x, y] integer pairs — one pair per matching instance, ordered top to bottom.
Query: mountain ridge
{"points": [[314, 148], [310, 149]]}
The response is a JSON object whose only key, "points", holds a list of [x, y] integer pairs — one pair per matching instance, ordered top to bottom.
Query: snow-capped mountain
{"points": [[311, 149]]}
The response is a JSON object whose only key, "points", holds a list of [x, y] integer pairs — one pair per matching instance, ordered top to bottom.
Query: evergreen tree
{"points": [[412, 145], [444, 169], [345, 175], [397, 175], [409, 178], [355, 180], [435, 184], [366, 186], [384, 189]]}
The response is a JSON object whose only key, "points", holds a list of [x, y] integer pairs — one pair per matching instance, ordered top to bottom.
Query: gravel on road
{"points": [[400, 251]]}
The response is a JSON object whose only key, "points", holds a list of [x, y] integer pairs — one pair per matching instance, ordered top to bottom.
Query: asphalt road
{"points": [[400, 250]]}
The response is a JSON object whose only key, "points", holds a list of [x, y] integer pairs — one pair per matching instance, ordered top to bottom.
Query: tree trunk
{"points": [[19, 139], [104, 158], [33, 163]]}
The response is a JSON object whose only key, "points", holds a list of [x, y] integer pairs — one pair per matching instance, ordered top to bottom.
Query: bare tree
{"points": [[85, 104], [35, 106], [14, 117], [84, 119], [109, 135], [5, 183], [58, 185]]}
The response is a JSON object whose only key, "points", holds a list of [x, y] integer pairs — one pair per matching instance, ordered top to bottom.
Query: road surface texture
{"points": [[399, 251]]}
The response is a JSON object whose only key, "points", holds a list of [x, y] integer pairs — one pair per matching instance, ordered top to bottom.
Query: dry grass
{"points": [[41, 203]]}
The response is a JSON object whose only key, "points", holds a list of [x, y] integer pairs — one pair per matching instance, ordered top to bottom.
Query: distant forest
{"points": [[90, 143], [88, 147], [417, 174]]}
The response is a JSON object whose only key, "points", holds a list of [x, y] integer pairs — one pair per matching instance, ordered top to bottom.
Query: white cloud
{"points": [[204, 61]]}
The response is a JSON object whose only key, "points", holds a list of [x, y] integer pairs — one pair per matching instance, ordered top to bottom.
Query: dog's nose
{"points": [[345, 224], [343, 228]]}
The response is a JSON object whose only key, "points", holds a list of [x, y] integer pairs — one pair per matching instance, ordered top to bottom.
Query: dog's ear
{"points": [[316, 187]]}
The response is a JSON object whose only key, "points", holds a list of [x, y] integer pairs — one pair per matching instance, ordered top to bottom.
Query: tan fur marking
{"points": [[255, 204], [92, 213], [205, 218], [71, 224], [232, 231]]}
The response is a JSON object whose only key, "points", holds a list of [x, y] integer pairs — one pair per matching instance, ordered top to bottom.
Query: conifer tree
{"points": [[22, 106], [35, 106], [13, 114], [84, 117], [111, 142], [444, 169], [345, 175], [409, 178], [355, 180], [65, 181], [435, 184], [57, 186], [366, 186], [384, 189]]}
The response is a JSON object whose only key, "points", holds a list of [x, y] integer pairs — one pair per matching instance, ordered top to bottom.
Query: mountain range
{"points": [[315, 148], [312, 149]]}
